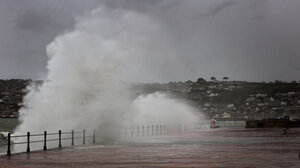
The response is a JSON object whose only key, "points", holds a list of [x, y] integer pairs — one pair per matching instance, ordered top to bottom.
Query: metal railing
{"points": [[205, 124], [152, 130], [73, 135]]}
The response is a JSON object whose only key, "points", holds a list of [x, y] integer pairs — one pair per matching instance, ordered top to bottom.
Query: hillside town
{"points": [[11, 97], [221, 100], [236, 100]]}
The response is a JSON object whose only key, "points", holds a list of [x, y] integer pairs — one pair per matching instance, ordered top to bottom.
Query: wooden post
{"points": [[59, 138], [45, 140], [28, 141], [83, 141], [72, 142], [8, 144]]}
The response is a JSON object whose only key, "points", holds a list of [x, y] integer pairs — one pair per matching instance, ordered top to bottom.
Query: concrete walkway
{"points": [[204, 148]]}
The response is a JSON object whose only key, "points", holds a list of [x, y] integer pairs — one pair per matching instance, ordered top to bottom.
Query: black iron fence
{"points": [[152, 130], [55, 136], [45, 138]]}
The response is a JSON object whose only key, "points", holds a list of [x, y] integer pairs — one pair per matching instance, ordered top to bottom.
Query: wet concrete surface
{"points": [[201, 148]]}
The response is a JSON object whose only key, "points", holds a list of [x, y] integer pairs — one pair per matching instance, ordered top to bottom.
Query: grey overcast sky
{"points": [[253, 40]]}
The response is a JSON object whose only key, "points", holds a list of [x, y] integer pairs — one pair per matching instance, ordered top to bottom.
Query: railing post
{"points": [[160, 126], [167, 128], [143, 129], [137, 130], [147, 130], [152, 130], [125, 132], [94, 137], [59, 138], [45, 140], [28, 141], [83, 141], [72, 142], [8, 144]]}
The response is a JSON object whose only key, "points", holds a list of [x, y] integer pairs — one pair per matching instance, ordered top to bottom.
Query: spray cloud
{"points": [[88, 72]]}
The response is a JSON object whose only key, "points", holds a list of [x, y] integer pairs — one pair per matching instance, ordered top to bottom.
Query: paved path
{"points": [[205, 148]]}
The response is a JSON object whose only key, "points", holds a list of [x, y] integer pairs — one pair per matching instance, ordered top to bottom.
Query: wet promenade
{"points": [[202, 148]]}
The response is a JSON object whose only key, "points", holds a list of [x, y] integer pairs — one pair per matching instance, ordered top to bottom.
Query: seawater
{"points": [[7, 125]]}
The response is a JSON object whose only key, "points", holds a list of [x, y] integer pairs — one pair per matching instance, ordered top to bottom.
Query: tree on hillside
{"points": [[213, 78], [225, 78], [201, 80], [189, 81]]}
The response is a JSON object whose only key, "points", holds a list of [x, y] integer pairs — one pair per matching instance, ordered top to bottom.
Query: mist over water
{"points": [[89, 69], [159, 108]]}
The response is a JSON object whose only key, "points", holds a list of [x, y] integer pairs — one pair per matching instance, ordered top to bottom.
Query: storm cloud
{"points": [[255, 40]]}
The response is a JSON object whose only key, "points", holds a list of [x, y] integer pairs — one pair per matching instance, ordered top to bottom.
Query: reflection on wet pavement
{"points": [[202, 148]]}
